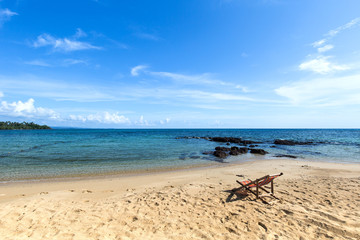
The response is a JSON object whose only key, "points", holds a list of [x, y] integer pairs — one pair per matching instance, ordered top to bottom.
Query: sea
{"points": [[32, 155]]}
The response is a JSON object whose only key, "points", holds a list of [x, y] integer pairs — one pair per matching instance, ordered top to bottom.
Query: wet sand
{"points": [[318, 200]]}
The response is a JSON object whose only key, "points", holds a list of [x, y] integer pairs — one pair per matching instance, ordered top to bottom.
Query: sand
{"points": [[317, 201]]}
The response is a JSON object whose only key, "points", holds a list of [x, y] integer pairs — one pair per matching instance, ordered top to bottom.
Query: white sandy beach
{"points": [[317, 201]]}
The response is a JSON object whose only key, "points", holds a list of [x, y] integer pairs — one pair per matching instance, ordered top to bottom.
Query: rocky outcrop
{"points": [[226, 140], [232, 140], [291, 142], [222, 149], [236, 151], [258, 151], [223, 152], [220, 154]]}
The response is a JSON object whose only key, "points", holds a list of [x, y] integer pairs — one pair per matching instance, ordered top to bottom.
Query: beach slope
{"points": [[317, 201]]}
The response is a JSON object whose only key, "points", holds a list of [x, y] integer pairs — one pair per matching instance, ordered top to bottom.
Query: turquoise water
{"points": [[34, 154]]}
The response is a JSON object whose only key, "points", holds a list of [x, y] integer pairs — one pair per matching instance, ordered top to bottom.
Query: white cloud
{"points": [[5, 15], [319, 43], [62, 44], [325, 48], [38, 63], [322, 65], [136, 70], [323, 91], [1, 94], [26, 109], [105, 117], [167, 120], [142, 121]]}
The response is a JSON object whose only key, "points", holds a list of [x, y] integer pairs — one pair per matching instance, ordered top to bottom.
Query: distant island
{"points": [[21, 126]]}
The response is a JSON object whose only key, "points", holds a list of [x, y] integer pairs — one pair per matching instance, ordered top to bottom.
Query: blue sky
{"points": [[181, 63]]}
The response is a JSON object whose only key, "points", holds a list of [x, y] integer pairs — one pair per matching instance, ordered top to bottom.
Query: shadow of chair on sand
{"points": [[238, 196]]}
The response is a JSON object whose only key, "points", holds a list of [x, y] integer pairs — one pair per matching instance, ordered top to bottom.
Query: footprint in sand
{"points": [[86, 191]]}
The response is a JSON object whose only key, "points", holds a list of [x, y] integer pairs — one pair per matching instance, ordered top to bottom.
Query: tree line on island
{"points": [[21, 126]]}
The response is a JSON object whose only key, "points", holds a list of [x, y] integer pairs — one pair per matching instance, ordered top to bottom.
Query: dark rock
{"points": [[220, 139], [229, 139], [291, 142], [228, 143], [252, 146], [273, 146], [222, 149], [243, 150], [236, 151], [258, 151], [220, 154], [285, 155]]}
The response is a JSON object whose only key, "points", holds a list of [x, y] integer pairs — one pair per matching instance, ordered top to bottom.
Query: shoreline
{"points": [[165, 169], [154, 173], [191, 203]]}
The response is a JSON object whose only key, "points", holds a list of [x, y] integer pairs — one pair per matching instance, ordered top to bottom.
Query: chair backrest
{"points": [[262, 181]]}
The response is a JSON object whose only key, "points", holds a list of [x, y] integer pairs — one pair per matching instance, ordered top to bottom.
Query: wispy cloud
{"points": [[5, 15], [348, 25], [80, 33], [332, 33], [63, 44], [71, 61], [38, 63], [322, 65], [135, 71], [205, 78], [187, 79], [57, 90], [323, 91], [214, 96]]}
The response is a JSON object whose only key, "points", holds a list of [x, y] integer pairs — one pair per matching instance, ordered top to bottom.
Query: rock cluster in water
{"points": [[248, 146], [223, 152]]}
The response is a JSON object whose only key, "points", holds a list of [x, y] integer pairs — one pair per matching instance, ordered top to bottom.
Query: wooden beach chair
{"points": [[258, 184]]}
